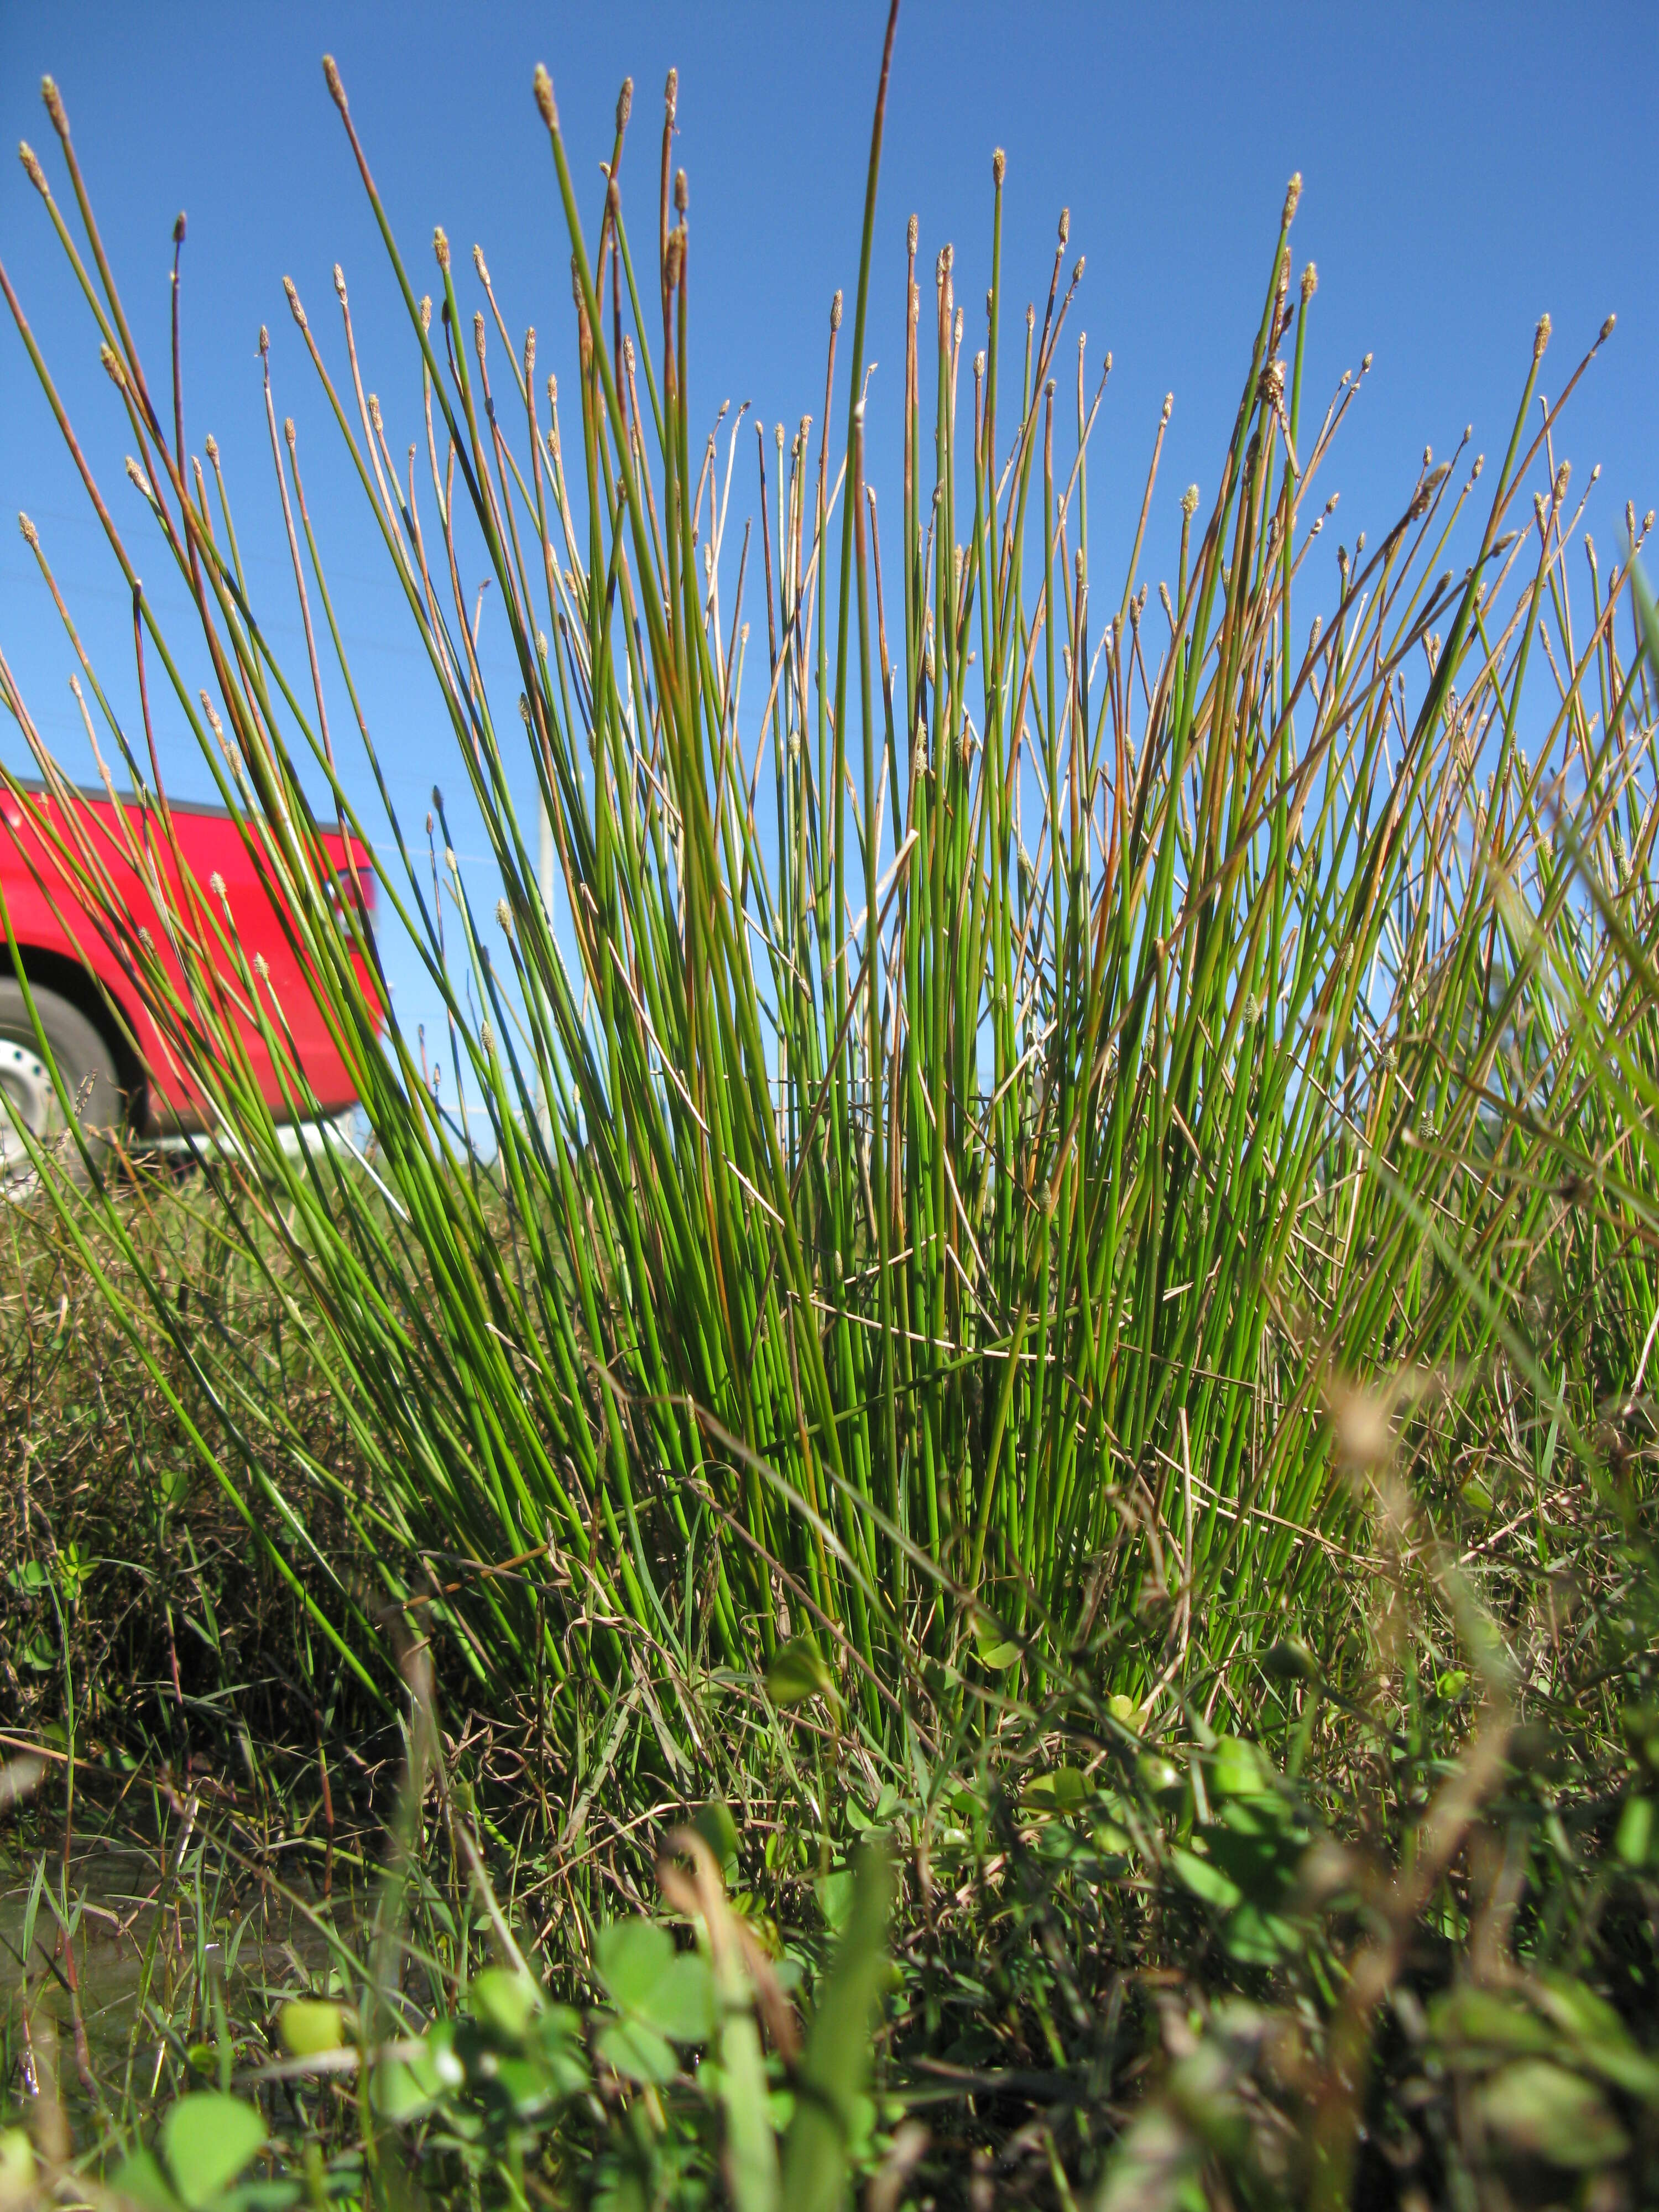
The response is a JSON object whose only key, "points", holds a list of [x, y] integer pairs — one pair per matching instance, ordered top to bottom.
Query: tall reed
{"points": [[961, 1123]]}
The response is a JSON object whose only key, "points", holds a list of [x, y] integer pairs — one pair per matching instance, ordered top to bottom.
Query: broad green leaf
{"points": [[1291, 1661], [797, 1672], [1237, 1768], [1159, 1776], [1064, 1791], [714, 1824], [1634, 1839], [1206, 1880], [834, 1895], [631, 1957], [503, 2001], [681, 2006], [309, 2025], [559, 2031], [631, 2048], [1540, 2109], [207, 2140], [16, 2165], [140, 2180]]}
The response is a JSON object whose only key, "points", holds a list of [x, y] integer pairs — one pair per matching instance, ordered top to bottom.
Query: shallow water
{"points": [[212, 1941]]}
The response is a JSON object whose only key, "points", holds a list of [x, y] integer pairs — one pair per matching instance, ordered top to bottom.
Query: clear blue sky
{"points": [[1466, 167]]}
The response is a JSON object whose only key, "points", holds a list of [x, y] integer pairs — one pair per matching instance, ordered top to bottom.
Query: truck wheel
{"points": [[86, 1066]]}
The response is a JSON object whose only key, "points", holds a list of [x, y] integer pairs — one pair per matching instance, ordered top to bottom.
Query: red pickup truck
{"points": [[126, 1076]]}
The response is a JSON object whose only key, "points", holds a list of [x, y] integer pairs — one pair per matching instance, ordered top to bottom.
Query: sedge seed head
{"points": [[331, 78], [670, 95], [624, 104], [547, 106], [55, 109], [999, 167], [31, 169], [682, 192], [1292, 194], [1065, 224], [179, 227], [912, 232], [440, 247], [479, 264], [671, 267], [1076, 272], [1309, 283], [339, 284], [294, 309], [426, 311], [835, 312], [1606, 330], [478, 332], [1540, 336], [1365, 365], [112, 368], [1168, 405], [288, 431], [139, 478], [1563, 478], [1189, 502], [1647, 522], [31, 535], [217, 884], [504, 916], [262, 967], [486, 1037]]}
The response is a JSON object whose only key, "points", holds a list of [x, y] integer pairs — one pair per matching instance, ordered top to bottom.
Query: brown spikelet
{"points": [[336, 89], [670, 94], [624, 104], [547, 106], [55, 109], [999, 167], [31, 169], [682, 192], [1292, 194], [178, 229], [440, 247], [1309, 283], [294, 308], [835, 312], [1606, 330], [1540, 337], [31, 535]]}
